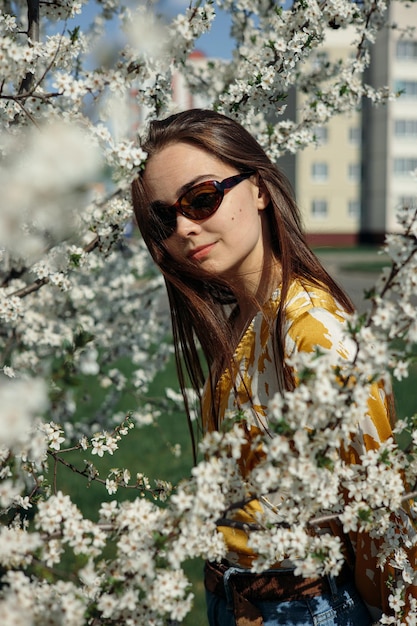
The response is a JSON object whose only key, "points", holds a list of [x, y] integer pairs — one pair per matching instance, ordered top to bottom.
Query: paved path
{"points": [[355, 283]]}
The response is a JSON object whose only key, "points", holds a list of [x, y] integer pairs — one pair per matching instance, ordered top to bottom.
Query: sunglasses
{"points": [[198, 203]]}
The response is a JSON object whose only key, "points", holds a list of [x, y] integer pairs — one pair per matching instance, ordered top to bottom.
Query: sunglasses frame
{"points": [[167, 215]]}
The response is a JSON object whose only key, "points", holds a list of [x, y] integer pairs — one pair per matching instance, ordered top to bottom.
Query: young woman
{"points": [[221, 223]]}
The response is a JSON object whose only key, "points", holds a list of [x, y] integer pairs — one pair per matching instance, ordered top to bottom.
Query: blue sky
{"points": [[216, 43]]}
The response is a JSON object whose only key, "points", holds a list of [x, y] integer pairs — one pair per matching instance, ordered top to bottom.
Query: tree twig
{"points": [[33, 35]]}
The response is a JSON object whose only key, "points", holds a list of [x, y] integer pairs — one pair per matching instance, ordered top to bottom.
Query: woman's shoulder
{"points": [[305, 296], [315, 318]]}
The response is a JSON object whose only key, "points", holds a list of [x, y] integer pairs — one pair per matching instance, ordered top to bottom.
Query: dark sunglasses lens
{"points": [[201, 201]]}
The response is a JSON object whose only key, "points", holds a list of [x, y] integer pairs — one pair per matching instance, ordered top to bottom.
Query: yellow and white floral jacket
{"points": [[313, 319]]}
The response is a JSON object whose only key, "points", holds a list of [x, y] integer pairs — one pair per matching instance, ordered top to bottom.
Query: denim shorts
{"points": [[342, 607]]}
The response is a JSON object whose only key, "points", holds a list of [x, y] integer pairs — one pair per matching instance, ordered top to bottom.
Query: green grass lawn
{"points": [[354, 250], [366, 259], [368, 267], [148, 449]]}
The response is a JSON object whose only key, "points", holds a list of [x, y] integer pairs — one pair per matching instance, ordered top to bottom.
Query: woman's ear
{"points": [[263, 195]]}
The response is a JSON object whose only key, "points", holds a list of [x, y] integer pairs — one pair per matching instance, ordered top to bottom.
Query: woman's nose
{"points": [[186, 226]]}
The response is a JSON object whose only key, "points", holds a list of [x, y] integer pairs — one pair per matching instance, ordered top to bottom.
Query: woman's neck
{"points": [[255, 291]]}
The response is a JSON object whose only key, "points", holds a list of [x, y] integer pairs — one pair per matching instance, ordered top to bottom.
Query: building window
{"points": [[406, 49], [407, 88], [406, 129], [321, 135], [355, 135], [404, 167], [319, 172], [354, 172], [408, 202], [319, 209], [354, 209]]}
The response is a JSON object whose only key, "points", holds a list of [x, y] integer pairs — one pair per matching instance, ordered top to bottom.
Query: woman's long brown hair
{"points": [[197, 301]]}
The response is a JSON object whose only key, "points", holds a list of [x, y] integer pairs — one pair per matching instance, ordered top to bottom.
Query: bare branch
{"points": [[33, 35]]}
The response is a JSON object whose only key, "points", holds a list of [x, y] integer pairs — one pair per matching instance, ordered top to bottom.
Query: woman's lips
{"points": [[198, 253]]}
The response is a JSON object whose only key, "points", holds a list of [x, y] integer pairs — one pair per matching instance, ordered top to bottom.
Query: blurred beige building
{"points": [[390, 132], [328, 176], [350, 186]]}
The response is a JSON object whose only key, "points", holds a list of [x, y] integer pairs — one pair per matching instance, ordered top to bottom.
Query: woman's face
{"points": [[232, 242]]}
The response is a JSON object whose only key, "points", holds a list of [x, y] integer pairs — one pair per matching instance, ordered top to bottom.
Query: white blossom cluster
{"points": [[278, 49], [78, 298]]}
